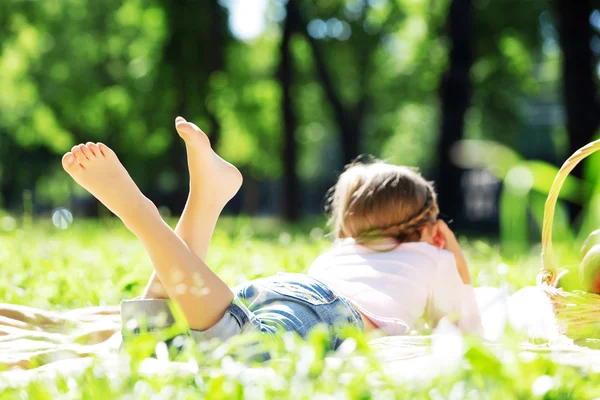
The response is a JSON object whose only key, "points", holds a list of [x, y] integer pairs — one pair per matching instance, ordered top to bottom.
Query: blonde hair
{"points": [[376, 199]]}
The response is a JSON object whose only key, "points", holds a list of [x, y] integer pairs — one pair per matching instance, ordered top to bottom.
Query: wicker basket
{"points": [[577, 313]]}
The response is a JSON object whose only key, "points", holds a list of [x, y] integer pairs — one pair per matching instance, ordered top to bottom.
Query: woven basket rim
{"points": [[575, 307]]}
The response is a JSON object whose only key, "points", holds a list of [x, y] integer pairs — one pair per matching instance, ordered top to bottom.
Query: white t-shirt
{"points": [[397, 288]]}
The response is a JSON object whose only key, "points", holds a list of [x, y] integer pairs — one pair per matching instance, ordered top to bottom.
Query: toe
{"points": [[179, 124], [195, 127], [187, 128], [191, 134], [93, 148], [76, 150], [105, 150], [86, 152], [69, 163]]}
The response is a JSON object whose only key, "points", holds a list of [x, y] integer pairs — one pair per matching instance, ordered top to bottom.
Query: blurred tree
{"points": [[344, 38], [193, 52], [496, 67], [508, 68], [118, 72], [578, 72], [73, 74], [579, 89], [455, 98], [246, 100], [294, 103], [349, 118], [291, 200]]}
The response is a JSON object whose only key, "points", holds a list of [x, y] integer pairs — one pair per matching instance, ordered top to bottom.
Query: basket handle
{"points": [[548, 274]]}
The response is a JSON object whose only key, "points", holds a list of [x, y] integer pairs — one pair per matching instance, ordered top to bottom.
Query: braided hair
{"points": [[376, 200]]}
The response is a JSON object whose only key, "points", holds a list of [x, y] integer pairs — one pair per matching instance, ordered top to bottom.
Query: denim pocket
{"points": [[300, 287]]}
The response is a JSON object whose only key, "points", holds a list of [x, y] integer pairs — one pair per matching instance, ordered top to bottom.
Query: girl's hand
{"points": [[445, 234], [450, 242]]}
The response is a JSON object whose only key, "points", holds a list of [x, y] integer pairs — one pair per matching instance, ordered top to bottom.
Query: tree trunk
{"points": [[193, 52], [215, 58], [178, 62], [579, 86], [455, 96], [349, 119], [349, 126], [351, 139], [291, 194]]}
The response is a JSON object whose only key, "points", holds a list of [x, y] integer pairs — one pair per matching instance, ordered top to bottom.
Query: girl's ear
{"points": [[439, 240]]}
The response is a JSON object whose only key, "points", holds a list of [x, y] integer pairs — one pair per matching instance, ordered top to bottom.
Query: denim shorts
{"points": [[284, 302]]}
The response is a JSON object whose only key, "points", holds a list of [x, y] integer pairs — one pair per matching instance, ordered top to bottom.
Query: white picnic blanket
{"points": [[39, 344]]}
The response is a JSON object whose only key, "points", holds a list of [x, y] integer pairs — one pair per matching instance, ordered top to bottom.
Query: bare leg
{"points": [[213, 182], [186, 278]]}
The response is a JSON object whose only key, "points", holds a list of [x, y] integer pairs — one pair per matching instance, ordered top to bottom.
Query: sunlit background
{"points": [[487, 99]]}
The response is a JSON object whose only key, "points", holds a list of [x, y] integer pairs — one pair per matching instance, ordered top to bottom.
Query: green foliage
{"points": [[120, 71], [99, 262]]}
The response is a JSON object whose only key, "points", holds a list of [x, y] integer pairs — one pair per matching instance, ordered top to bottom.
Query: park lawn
{"points": [[98, 262]]}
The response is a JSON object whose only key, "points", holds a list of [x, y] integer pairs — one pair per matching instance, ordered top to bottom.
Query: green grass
{"points": [[99, 262]]}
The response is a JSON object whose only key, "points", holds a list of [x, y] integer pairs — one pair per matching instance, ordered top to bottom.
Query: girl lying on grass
{"points": [[393, 264]]}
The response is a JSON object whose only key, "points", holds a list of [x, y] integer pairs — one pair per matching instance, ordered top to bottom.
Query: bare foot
{"points": [[98, 170], [216, 180], [213, 182]]}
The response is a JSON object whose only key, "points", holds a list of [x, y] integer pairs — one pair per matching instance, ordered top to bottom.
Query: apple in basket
{"points": [[589, 269]]}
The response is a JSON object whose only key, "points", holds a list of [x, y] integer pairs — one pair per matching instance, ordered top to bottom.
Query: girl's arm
{"points": [[453, 247], [453, 292]]}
